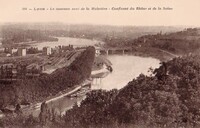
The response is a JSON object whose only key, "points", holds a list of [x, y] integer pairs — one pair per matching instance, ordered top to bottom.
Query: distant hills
{"points": [[39, 31], [174, 39], [182, 42]]}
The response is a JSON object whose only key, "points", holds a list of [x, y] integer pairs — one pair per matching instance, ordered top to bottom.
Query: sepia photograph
{"points": [[99, 64]]}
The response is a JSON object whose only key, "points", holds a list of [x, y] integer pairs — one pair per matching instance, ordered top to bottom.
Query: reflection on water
{"points": [[125, 68]]}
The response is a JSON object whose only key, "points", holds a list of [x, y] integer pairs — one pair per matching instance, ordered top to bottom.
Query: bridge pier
{"points": [[107, 52], [97, 80]]}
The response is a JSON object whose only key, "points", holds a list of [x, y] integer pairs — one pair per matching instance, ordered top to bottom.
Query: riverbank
{"points": [[154, 53], [100, 62], [101, 73], [34, 108]]}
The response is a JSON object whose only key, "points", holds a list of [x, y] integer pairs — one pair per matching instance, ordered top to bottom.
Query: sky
{"points": [[185, 12]]}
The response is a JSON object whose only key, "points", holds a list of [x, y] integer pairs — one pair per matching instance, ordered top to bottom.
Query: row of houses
{"points": [[57, 49], [10, 51], [15, 51], [12, 72]]}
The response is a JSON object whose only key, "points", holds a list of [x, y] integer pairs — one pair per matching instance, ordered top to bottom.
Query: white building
{"points": [[1, 41], [12, 50], [46, 51], [21, 52]]}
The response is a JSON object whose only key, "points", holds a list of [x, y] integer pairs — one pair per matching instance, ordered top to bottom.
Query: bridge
{"points": [[108, 51]]}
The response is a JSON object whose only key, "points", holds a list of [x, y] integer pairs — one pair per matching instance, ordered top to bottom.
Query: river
{"points": [[65, 41], [125, 68]]}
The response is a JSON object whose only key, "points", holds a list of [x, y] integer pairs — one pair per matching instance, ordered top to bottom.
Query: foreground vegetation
{"points": [[169, 98], [163, 100]]}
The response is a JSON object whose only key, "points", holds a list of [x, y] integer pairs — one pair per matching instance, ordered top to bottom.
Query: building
{"points": [[1, 41], [68, 48], [1, 49], [12, 51], [46, 51], [97, 51], [21, 52], [34, 69], [7, 71]]}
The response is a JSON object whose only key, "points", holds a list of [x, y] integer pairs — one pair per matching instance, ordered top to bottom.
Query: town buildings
{"points": [[47, 51], [21, 52]]}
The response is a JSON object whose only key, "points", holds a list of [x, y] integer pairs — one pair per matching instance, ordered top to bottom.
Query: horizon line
{"points": [[93, 24]]}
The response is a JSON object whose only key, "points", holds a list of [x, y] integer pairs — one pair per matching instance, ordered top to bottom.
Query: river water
{"points": [[65, 41], [125, 68]]}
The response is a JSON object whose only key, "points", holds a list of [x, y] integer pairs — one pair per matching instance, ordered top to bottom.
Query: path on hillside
{"points": [[174, 55]]}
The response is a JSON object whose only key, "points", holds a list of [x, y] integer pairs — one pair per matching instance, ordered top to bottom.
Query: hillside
{"points": [[45, 31], [12, 35], [181, 42], [38, 89], [163, 100]]}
